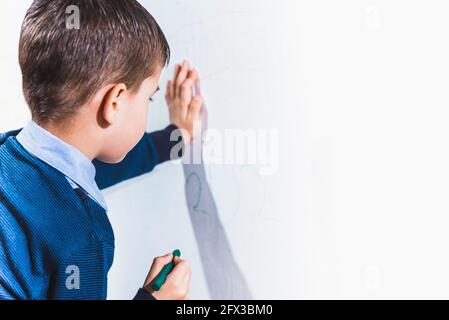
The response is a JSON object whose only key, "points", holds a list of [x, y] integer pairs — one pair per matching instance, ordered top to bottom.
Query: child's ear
{"points": [[112, 102]]}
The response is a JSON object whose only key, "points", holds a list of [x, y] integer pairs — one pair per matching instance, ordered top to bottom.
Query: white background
{"points": [[358, 92]]}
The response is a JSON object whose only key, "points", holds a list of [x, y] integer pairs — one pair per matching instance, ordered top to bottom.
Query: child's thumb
{"points": [[195, 107], [176, 260], [160, 262], [156, 267]]}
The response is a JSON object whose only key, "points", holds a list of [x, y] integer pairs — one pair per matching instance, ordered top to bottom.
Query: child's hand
{"points": [[184, 107], [176, 287]]}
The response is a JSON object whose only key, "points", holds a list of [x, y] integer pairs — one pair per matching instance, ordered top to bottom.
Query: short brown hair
{"points": [[118, 41]]}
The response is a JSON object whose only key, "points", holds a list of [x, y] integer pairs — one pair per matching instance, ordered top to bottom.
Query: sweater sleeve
{"points": [[153, 149], [144, 295]]}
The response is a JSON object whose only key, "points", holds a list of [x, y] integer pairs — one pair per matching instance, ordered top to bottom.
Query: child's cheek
{"points": [[143, 116], [139, 123]]}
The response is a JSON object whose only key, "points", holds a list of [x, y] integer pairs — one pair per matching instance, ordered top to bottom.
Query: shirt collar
{"points": [[63, 157]]}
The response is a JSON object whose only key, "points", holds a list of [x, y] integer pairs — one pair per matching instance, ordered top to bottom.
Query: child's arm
{"points": [[155, 148]]}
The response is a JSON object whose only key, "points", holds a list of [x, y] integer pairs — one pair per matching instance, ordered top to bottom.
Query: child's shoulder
{"points": [[37, 205]]}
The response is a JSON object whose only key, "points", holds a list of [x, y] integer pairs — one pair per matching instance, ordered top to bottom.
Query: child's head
{"points": [[103, 73]]}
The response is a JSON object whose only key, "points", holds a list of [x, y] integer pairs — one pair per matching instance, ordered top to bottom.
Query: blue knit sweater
{"points": [[55, 241]]}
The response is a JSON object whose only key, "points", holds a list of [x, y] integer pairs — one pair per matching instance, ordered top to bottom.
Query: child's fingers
{"points": [[177, 70], [194, 73], [181, 76], [187, 86], [197, 86], [186, 93], [186, 97], [195, 108], [203, 117], [158, 264], [181, 269], [187, 274], [176, 279], [186, 281]]}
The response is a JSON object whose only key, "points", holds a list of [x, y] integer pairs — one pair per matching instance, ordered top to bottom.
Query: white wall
{"points": [[358, 91], [14, 110]]}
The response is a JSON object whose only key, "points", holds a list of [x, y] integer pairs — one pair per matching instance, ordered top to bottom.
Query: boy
{"points": [[88, 90]]}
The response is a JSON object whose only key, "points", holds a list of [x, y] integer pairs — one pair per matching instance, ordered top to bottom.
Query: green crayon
{"points": [[159, 281]]}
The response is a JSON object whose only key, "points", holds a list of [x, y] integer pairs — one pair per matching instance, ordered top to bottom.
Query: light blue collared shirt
{"points": [[77, 168]]}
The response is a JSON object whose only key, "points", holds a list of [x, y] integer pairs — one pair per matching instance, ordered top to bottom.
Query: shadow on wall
{"points": [[223, 276]]}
